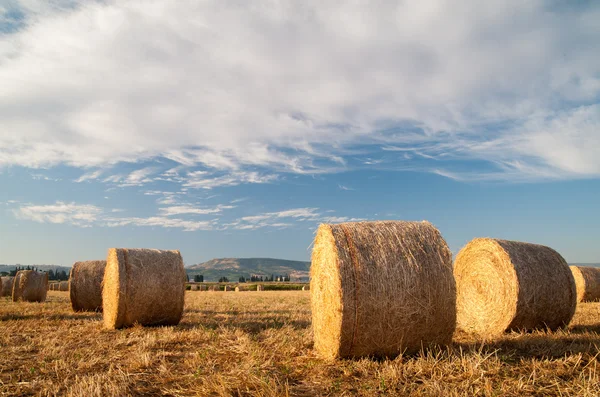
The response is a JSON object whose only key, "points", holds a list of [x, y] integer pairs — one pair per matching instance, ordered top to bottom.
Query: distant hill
{"points": [[585, 264], [234, 268]]}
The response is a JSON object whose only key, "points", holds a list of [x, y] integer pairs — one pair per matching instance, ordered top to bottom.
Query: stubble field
{"points": [[260, 344]]}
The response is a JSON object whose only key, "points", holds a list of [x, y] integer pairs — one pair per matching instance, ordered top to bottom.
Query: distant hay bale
{"points": [[587, 282], [7, 283], [85, 285], [509, 285], [30, 286], [63, 286], [143, 286], [195, 287], [259, 287], [226, 288], [305, 288], [237, 289], [380, 289]]}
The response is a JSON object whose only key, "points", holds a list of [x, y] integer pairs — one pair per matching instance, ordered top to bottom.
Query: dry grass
{"points": [[260, 344]]}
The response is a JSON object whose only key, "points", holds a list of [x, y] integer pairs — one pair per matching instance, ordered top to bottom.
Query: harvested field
{"points": [[260, 343]]}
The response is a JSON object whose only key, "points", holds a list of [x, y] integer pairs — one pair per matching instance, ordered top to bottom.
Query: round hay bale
{"points": [[587, 282], [7, 284], [85, 285], [510, 285], [30, 286], [63, 286], [143, 286], [195, 287], [259, 287], [226, 288], [237, 289], [380, 289]]}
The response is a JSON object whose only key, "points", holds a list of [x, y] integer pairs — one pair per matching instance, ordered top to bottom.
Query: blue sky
{"points": [[234, 129]]}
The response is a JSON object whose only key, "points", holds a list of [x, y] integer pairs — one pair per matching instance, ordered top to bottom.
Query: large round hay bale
{"points": [[587, 282], [85, 285], [509, 285], [30, 286], [144, 286], [381, 289]]}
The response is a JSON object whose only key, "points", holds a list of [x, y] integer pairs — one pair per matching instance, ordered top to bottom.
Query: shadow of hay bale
{"points": [[51, 317], [582, 329], [551, 346]]}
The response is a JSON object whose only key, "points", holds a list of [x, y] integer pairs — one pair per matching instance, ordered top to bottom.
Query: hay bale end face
{"points": [[587, 283], [85, 285], [509, 285], [30, 286], [143, 286], [259, 287], [237, 289], [380, 289]]}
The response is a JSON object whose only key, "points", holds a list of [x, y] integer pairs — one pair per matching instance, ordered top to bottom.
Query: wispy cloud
{"points": [[89, 176], [138, 177], [203, 180], [191, 210], [60, 212], [286, 218], [161, 221]]}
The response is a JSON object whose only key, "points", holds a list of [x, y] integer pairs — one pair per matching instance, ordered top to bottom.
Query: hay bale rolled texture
{"points": [[587, 282], [85, 285], [510, 285], [30, 286], [63, 286], [144, 286], [380, 289]]}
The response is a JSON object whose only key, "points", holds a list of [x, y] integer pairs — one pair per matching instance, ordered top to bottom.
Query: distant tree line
{"points": [[59, 275], [198, 278], [261, 279]]}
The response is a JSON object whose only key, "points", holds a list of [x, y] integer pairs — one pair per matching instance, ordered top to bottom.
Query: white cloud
{"points": [[300, 86], [88, 176], [138, 177], [201, 180], [191, 210], [60, 212], [273, 219], [160, 221]]}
